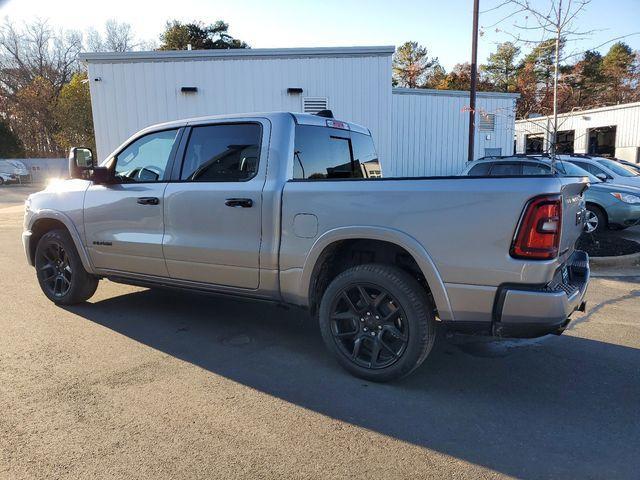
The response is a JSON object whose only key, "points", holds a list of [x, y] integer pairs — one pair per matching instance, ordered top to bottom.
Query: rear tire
{"points": [[596, 220], [60, 272], [378, 322]]}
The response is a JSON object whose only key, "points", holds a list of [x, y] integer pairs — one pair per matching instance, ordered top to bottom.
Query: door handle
{"points": [[148, 200], [239, 202]]}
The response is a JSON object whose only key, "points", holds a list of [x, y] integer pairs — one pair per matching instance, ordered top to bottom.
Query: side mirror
{"points": [[80, 162], [102, 175], [602, 176]]}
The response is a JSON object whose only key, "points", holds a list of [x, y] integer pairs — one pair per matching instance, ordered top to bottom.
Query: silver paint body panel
{"points": [[458, 230]]}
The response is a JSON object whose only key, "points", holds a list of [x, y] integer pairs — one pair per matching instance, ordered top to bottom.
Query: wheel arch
{"points": [[47, 220], [332, 241]]}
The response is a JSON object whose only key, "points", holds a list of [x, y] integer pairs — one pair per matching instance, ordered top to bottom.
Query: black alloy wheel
{"points": [[54, 269], [61, 274], [378, 321], [368, 325]]}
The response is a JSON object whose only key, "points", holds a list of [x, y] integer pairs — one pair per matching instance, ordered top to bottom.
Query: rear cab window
{"points": [[324, 153]]}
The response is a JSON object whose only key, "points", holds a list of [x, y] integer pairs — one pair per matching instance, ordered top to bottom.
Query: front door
{"points": [[213, 213], [124, 221]]}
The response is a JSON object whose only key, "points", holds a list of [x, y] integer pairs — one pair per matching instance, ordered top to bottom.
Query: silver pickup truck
{"points": [[279, 206]]}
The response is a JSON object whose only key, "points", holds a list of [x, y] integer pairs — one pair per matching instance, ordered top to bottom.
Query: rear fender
{"points": [[410, 244]]}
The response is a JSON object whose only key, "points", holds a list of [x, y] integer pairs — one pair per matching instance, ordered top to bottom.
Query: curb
{"points": [[619, 261]]}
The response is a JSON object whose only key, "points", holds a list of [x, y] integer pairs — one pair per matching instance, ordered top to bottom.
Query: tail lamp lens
{"points": [[538, 235]]}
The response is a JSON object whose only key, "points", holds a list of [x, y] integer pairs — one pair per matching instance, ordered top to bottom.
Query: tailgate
{"points": [[573, 214]]}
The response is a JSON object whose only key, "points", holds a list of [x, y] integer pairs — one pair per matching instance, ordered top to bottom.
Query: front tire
{"points": [[596, 221], [60, 272], [378, 322]]}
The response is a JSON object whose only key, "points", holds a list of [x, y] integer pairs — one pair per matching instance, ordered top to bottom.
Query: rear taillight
{"points": [[538, 235]]}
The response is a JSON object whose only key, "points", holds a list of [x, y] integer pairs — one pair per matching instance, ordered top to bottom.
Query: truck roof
{"points": [[299, 118]]}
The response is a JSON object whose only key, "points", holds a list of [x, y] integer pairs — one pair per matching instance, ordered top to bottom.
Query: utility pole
{"points": [[556, 67], [474, 74]]}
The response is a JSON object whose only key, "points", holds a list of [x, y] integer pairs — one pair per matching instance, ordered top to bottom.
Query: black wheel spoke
{"points": [[47, 266], [50, 277], [364, 296], [379, 300], [350, 304], [391, 318], [366, 322], [393, 330], [346, 334], [357, 344], [384, 345], [375, 352]]}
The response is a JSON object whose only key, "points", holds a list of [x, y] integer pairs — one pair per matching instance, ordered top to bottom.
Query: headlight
{"points": [[626, 197]]}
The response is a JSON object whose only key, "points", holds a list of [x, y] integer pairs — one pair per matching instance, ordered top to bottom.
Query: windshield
{"points": [[618, 168], [569, 169]]}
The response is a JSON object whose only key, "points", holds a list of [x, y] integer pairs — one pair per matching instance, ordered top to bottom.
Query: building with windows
{"points": [[612, 131], [417, 132]]}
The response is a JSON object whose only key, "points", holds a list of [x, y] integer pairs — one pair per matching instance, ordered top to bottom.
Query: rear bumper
{"points": [[531, 311]]}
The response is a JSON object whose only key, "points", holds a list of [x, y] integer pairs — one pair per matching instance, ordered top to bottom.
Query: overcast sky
{"points": [[443, 26]]}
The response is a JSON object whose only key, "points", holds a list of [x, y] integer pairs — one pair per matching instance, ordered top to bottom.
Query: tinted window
{"points": [[322, 152], [222, 153], [365, 157], [146, 159], [618, 168], [506, 169], [535, 169], [568, 169], [592, 169], [480, 170]]}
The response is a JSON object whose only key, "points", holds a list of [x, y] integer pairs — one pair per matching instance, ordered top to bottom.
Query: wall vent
{"points": [[314, 104], [487, 122]]}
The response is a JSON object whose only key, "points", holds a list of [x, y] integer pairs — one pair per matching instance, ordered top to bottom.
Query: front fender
{"points": [[48, 214], [401, 239]]}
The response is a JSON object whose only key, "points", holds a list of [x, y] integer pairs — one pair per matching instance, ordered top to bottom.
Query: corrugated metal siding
{"points": [[133, 95], [625, 117], [430, 132]]}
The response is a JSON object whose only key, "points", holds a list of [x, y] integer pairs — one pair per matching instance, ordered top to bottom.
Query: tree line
{"points": [[593, 80], [45, 105]]}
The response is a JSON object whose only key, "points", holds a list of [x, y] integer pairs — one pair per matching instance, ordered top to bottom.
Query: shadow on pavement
{"points": [[549, 407]]}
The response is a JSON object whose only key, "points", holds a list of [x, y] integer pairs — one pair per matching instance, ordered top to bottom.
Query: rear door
{"points": [[213, 211], [123, 221]]}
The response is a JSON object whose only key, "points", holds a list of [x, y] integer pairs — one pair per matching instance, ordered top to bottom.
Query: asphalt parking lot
{"points": [[152, 384]]}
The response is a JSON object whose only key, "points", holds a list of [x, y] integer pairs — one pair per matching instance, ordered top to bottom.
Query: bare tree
{"points": [[551, 21], [118, 37], [35, 63]]}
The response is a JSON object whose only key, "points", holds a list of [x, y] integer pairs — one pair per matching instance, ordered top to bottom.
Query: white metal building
{"points": [[430, 129], [612, 131], [417, 132]]}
